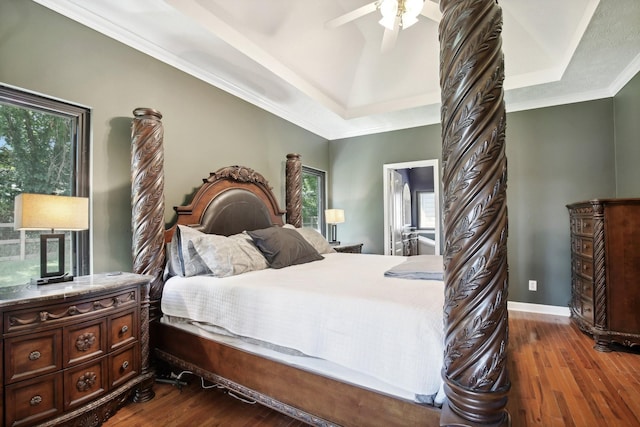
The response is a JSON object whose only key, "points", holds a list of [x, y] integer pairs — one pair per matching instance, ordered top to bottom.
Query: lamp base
{"points": [[53, 279]]}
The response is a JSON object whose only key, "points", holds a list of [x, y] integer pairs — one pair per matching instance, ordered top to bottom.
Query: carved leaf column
{"points": [[294, 189], [147, 195], [474, 214], [147, 221], [599, 278]]}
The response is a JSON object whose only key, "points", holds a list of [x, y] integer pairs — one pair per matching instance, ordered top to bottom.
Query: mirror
{"points": [[411, 208]]}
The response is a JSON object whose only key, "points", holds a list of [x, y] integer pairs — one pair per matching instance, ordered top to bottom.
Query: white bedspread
{"points": [[341, 309]]}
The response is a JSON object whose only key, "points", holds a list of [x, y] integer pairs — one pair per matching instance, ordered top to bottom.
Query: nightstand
{"points": [[351, 248], [74, 352]]}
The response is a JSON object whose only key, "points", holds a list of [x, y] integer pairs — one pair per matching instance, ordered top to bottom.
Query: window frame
{"points": [[81, 138], [322, 197]]}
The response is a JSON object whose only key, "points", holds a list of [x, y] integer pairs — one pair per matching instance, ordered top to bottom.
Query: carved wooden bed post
{"points": [[294, 189], [475, 214], [147, 218]]}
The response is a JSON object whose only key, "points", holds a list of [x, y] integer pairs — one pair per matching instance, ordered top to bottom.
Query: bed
{"points": [[237, 199]]}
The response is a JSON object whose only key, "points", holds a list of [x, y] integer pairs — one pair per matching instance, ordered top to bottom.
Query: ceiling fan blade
{"points": [[432, 11], [351, 16], [390, 36]]}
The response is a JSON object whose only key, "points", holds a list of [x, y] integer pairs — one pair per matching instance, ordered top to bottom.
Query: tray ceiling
{"points": [[337, 83]]}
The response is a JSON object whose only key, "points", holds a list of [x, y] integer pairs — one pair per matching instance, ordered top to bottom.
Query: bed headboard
{"points": [[230, 200]]}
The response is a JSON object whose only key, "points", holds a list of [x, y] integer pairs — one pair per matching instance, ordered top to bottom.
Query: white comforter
{"points": [[340, 309]]}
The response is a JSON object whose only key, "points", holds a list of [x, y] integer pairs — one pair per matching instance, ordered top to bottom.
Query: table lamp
{"points": [[50, 212], [333, 217]]}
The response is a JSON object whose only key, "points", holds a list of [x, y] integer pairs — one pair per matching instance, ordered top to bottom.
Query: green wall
{"points": [[627, 127], [205, 128], [555, 156]]}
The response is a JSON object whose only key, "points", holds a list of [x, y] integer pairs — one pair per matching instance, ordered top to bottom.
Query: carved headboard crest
{"points": [[238, 173]]}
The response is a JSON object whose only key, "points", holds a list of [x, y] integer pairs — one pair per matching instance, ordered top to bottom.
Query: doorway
{"points": [[411, 208]]}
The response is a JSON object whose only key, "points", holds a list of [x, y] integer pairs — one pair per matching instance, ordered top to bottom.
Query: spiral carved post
{"points": [[294, 189], [147, 195], [474, 214], [147, 219], [599, 278]]}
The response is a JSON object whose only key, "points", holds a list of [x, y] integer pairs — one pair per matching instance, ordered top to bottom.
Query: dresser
{"points": [[605, 270], [74, 352]]}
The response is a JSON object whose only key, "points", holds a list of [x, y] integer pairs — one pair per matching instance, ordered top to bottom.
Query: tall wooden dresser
{"points": [[605, 270], [74, 352]]}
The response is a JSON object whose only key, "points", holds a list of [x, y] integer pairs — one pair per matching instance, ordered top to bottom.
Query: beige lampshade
{"points": [[49, 212], [334, 216]]}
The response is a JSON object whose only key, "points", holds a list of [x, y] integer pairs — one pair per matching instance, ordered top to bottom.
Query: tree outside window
{"points": [[313, 198]]}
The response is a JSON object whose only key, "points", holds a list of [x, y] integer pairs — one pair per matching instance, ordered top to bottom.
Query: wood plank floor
{"points": [[557, 378]]}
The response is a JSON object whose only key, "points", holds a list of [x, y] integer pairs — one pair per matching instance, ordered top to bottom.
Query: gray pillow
{"points": [[314, 238], [283, 247], [216, 255]]}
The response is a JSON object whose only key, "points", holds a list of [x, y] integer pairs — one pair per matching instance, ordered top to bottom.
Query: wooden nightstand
{"points": [[351, 248], [74, 352]]}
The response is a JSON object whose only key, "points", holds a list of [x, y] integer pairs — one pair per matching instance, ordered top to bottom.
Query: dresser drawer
{"points": [[582, 225], [583, 246], [584, 267], [582, 287], [586, 309], [71, 311], [123, 329], [84, 342], [33, 354], [124, 365], [85, 382], [33, 400]]}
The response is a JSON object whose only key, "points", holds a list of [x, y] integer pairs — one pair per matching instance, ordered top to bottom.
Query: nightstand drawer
{"points": [[123, 329], [84, 342], [33, 354], [123, 365], [85, 383], [33, 400]]}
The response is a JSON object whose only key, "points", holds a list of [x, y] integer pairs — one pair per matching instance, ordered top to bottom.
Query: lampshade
{"points": [[49, 212], [334, 216]]}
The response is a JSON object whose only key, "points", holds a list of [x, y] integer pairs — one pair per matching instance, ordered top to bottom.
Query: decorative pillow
{"points": [[314, 238], [283, 247], [217, 255], [173, 266]]}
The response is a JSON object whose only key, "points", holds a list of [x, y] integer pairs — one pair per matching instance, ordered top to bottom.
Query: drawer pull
{"points": [[124, 330], [85, 341], [34, 355], [125, 365], [86, 381], [35, 400]]}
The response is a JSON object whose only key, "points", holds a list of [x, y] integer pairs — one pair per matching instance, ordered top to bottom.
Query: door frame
{"points": [[388, 199]]}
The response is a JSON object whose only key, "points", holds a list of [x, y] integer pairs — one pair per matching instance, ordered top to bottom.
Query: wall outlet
{"points": [[533, 285]]}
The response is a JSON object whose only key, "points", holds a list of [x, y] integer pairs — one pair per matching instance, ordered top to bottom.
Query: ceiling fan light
{"points": [[388, 9], [408, 21], [388, 22]]}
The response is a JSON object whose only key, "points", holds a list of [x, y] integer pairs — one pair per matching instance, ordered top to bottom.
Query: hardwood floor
{"points": [[557, 378]]}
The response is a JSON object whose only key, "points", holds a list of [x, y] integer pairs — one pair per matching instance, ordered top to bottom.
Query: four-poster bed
{"points": [[475, 223]]}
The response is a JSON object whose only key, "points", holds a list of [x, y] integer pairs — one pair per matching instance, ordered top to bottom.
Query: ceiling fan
{"points": [[396, 14]]}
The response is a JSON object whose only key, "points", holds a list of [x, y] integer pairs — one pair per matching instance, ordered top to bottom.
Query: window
{"points": [[44, 148], [313, 199], [426, 210]]}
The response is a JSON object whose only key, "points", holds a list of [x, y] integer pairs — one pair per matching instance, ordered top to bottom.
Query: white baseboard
{"points": [[538, 308]]}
